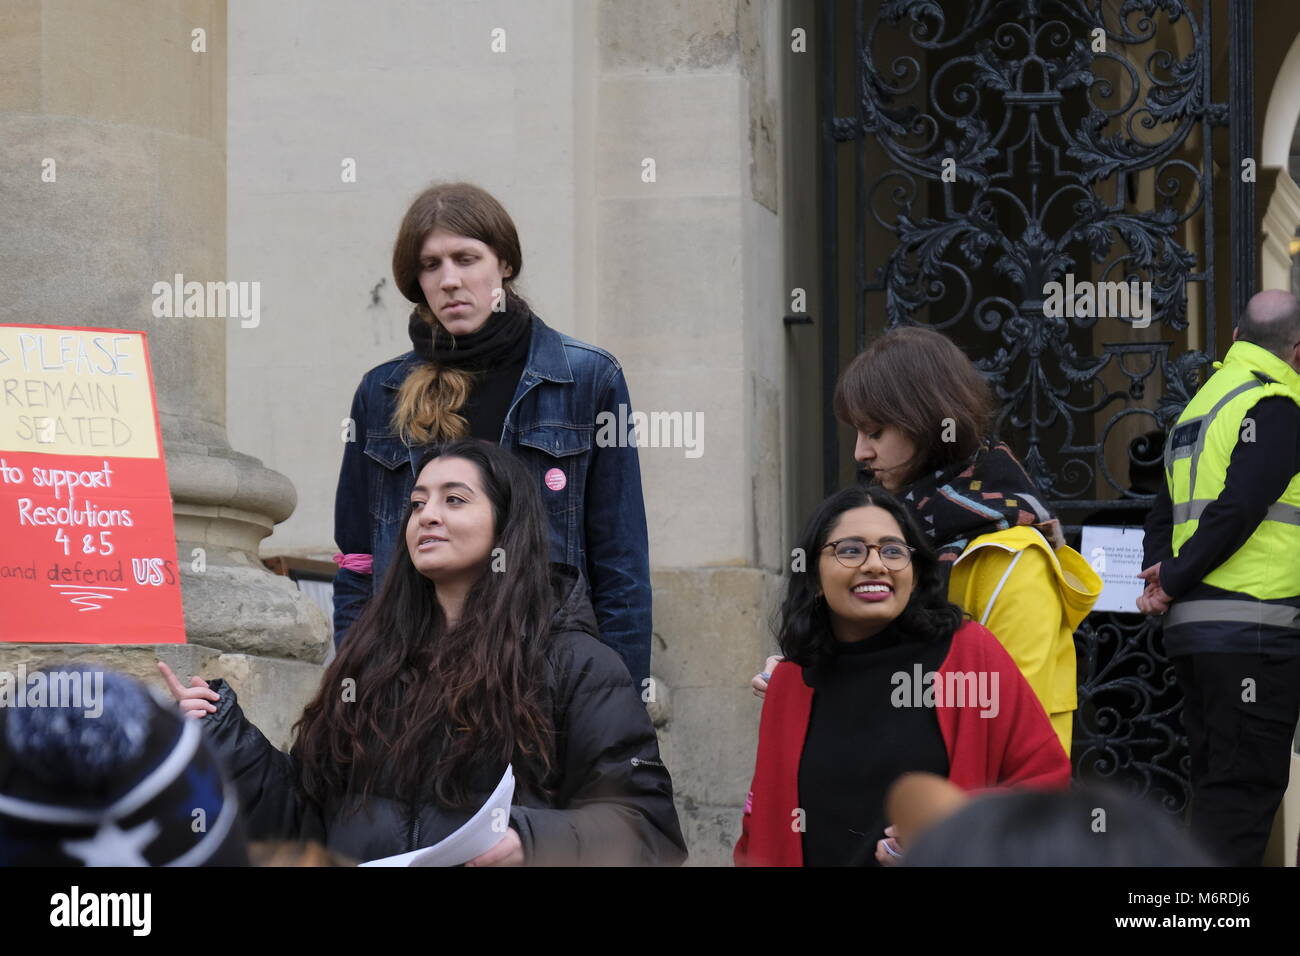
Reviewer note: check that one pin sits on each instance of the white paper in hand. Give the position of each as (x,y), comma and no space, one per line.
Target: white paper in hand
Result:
(475,836)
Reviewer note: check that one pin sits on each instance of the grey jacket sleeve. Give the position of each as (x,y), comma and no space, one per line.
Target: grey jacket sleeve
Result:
(615,800)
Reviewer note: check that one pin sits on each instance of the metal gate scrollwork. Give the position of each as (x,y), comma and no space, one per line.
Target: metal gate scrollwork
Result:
(999,146)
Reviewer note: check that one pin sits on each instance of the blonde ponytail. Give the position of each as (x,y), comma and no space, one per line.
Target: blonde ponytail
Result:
(429,399)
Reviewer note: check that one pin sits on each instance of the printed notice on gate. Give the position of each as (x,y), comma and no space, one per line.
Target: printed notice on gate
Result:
(87,544)
(1116,555)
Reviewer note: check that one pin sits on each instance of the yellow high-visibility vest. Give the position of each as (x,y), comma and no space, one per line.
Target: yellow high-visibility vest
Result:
(1197,453)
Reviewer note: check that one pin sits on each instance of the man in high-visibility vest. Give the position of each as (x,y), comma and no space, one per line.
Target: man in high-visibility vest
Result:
(1222,551)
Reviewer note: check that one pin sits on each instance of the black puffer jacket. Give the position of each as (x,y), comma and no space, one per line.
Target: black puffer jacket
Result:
(612,796)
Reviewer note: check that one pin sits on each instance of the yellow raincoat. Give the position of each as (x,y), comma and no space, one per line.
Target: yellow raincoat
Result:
(1033,598)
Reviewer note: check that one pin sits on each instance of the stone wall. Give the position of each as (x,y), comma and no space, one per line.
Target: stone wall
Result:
(690,298)
(134,117)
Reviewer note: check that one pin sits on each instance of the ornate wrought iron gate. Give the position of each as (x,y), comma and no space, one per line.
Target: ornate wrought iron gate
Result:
(995,146)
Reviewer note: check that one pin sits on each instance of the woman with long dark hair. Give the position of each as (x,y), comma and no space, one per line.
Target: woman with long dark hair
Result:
(475,654)
(922,412)
(880,677)
(482,364)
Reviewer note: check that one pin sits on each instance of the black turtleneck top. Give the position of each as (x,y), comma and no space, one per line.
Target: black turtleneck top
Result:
(494,389)
(858,743)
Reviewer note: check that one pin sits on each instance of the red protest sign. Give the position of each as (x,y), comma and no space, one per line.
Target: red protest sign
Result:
(87,543)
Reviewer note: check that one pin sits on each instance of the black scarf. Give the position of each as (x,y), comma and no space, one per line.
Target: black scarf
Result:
(503,339)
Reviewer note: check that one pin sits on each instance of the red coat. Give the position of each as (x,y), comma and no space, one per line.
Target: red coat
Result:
(1016,747)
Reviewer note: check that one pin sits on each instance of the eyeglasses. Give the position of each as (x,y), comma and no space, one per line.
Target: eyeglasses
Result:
(853,553)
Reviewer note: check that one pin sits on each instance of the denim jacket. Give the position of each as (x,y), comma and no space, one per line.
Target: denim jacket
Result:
(597,517)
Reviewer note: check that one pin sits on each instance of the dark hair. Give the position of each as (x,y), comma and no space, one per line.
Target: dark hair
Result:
(1036,828)
(915,379)
(805,626)
(434,704)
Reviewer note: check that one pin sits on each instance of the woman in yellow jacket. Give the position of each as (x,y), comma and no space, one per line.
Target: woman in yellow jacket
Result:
(922,410)
(1033,597)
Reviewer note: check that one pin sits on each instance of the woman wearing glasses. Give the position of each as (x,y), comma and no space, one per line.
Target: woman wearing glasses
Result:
(922,412)
(880,677)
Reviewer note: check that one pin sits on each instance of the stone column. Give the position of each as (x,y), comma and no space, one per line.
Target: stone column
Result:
(1280,221)
(689,293)
(134,117)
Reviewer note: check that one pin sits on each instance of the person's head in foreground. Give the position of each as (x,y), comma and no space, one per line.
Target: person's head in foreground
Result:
(1090,825)
(125,782)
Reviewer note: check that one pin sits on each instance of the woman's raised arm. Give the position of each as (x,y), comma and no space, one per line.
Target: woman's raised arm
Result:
(263,775)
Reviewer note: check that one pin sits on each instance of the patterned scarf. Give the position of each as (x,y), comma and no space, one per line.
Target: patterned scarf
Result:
(988,492)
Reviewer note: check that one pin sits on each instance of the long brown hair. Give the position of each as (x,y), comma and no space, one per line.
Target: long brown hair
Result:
(430,397)
(431,704)
(918,381)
